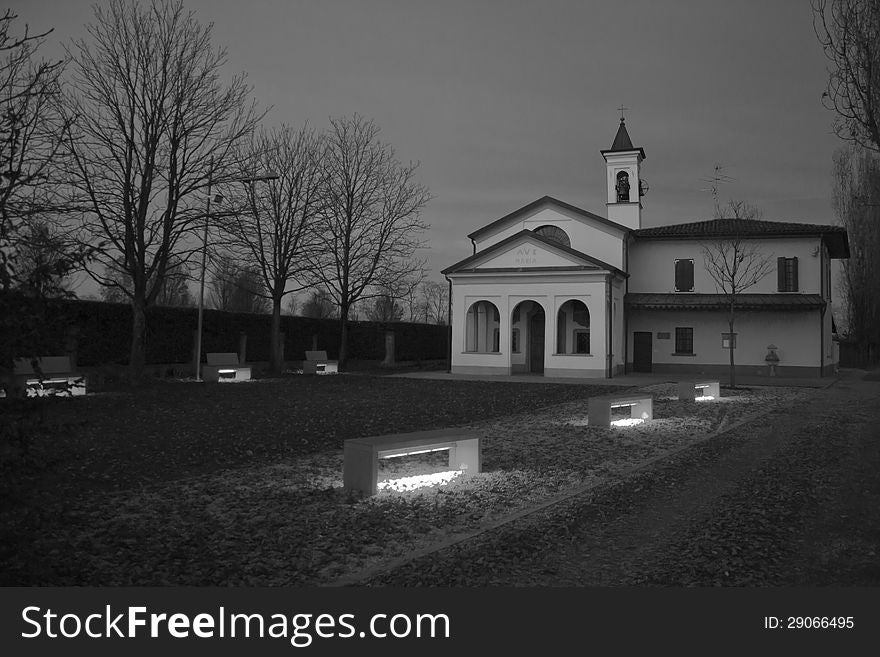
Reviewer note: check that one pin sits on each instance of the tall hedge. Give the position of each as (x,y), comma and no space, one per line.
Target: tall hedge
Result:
(100,333)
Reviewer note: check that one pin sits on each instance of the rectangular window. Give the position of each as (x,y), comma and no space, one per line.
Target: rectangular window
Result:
(728,340)
(787,274)
(496,340)
(684,275)
(582,341)
(514,341)
(684,340)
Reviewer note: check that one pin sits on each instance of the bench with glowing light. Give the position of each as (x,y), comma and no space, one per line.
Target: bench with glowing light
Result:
(360,467)
(599,408)
(54,377)
(687,390)
(316,363)
(225,367)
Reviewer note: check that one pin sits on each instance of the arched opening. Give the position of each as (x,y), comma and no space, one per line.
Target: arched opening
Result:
(483,328)
(622,187)
(573,328)
(554,234)
(527,338)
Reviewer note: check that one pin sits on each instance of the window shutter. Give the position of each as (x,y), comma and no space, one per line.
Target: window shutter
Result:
(794,275)
(780,274)
(684,275)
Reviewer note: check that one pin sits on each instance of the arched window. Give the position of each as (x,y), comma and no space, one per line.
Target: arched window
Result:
(622,187)
(573,328)
(483,328)
(554,234)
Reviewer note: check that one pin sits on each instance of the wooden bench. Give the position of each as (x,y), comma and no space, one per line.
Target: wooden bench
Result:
(599,408)
(687,390)
(360,467)
(224,367)
(55,377)
(316,363)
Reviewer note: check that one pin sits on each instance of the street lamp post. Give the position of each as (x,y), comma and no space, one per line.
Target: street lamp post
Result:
(218,198)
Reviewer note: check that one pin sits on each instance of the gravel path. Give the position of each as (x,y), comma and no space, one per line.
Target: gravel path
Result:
(790,500)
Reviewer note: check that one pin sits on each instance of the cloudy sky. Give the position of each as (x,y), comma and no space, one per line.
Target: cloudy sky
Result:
(502,102)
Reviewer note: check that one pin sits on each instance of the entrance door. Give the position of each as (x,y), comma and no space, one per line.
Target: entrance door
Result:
(642,351)
(536,342)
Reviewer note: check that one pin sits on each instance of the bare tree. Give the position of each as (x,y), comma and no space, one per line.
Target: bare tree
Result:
(275,230)
(369,224)
(154,126)
(319,304)
(849,31)
(384,309)
(857,205)
(235,288)
(434,302)
(172,291)
(735,264)
(31,132)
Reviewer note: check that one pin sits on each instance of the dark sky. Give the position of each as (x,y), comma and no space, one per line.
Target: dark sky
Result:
(504,102)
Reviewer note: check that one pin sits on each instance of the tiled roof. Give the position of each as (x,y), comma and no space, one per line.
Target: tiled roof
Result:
(834,236)
(720,302)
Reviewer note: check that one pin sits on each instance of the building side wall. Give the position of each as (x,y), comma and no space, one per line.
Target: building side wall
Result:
(652,265)
(797,336)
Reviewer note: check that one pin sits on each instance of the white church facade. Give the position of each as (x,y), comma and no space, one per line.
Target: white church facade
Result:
(554,290)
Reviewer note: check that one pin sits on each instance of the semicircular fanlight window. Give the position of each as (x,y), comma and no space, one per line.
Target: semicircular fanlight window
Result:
(554,234)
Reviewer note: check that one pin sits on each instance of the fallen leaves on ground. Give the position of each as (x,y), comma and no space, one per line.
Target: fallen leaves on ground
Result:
(241,484)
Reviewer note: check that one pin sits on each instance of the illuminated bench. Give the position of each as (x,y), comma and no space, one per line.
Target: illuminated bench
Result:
(56,377)
(599,408)
(360,466)
(316,363)
(687,390)
(224,367)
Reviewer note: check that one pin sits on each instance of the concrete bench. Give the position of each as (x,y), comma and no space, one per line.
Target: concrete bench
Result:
(55,377)
(224,367)
(316,363)
(360,467)
(687,390)
(599,408)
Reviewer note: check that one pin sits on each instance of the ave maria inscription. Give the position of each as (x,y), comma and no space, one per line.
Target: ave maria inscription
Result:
(526,255)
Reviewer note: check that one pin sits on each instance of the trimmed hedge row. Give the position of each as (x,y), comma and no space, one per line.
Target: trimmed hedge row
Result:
(100,333)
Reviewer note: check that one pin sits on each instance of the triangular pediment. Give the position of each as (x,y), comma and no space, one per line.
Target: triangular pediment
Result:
(546,210)
(526,250)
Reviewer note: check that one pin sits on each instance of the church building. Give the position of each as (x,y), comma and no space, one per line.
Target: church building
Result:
(552,289)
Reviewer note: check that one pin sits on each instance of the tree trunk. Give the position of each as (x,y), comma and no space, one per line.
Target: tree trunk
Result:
(137,356)
(275,364)
(731,345)
(343,336)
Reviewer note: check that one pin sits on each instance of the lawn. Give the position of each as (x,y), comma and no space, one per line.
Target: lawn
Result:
(191,484)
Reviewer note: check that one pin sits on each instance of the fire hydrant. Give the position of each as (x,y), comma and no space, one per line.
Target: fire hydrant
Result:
(772,359)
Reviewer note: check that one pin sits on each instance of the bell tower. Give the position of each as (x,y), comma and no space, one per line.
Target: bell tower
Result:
(623,164)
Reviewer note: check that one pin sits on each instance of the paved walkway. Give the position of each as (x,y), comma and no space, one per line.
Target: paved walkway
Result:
(634,379)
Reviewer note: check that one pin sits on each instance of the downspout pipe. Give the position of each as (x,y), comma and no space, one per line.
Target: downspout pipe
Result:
(609,324)
(449,326)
